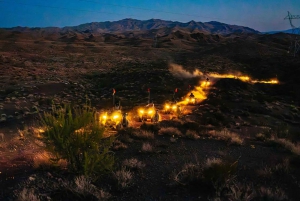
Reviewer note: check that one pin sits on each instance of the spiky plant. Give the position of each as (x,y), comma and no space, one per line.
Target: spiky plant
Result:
(76,135)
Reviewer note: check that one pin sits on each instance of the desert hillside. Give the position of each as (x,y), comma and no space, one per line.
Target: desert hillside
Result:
(239,138)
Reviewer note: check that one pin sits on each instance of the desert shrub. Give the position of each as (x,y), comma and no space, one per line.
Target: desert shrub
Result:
(147,148)
(214,174)
(169,131)
(84,187)
(143,134)
(293,148)
(260,136)
(226,135)
(118,145)
(240,192)
(51,187)
(123,177)
(281,169)
(75,134)
(27,195)
(133,164)
(271,194)
(192,134)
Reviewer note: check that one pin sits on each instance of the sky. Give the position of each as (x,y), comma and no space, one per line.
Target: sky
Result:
(261,15)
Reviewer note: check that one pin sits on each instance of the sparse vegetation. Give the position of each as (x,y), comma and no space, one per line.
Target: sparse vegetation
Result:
(118,145)
(70,161)
(143,134)
(214,174)
(124,178)
(272,194)
(169,131)
(192,134)
(133,164)
(226,135)
(294,148)
(27,194)
(147,148)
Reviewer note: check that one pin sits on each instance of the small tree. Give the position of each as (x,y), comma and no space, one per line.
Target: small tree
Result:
(76,135)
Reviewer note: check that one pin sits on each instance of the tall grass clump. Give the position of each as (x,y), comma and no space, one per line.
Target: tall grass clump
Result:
(212,175)
(76,135)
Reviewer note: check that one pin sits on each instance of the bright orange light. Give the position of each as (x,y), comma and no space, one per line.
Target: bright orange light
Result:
(273,81)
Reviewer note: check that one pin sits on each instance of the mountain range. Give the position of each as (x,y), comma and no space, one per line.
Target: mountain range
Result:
(129,24)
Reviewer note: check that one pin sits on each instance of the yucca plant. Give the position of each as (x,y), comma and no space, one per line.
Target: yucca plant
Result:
(76,135)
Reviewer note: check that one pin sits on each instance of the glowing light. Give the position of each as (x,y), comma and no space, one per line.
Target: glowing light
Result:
(244,78)
(104,116)
(205,84)
(150,111)
(167,106)
(141,111)
(174,107)
(116,116)
(273,81)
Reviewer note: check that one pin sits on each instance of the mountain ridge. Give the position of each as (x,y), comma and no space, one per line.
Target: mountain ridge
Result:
(129,24)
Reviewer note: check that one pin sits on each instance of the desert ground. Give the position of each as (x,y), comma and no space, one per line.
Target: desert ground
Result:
(240,141)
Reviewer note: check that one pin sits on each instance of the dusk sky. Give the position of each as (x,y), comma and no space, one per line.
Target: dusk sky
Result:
(262,15)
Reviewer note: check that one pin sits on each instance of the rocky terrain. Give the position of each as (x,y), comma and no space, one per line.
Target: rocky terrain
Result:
(253,127)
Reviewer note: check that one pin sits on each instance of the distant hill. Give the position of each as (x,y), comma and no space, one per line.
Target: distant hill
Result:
(125,25)
(282,31)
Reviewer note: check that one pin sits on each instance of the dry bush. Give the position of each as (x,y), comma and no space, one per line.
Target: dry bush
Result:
(27,194)
(83,184)
(118,145)
(169,131)
(85,187)
(147,148)
(56,188)
(124,178)
(213,173)
(260,136)
(226,135)
(271,194)
(192,134)
(143,134)
(43,159)
(240,192)
(280,169)
(294,148)
(133,164)
(212,161)
(189,173)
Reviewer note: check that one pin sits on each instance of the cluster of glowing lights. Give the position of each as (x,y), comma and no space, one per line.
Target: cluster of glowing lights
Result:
(149,111)
(115,117)
(168,107)
(205,84)
(190,100)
